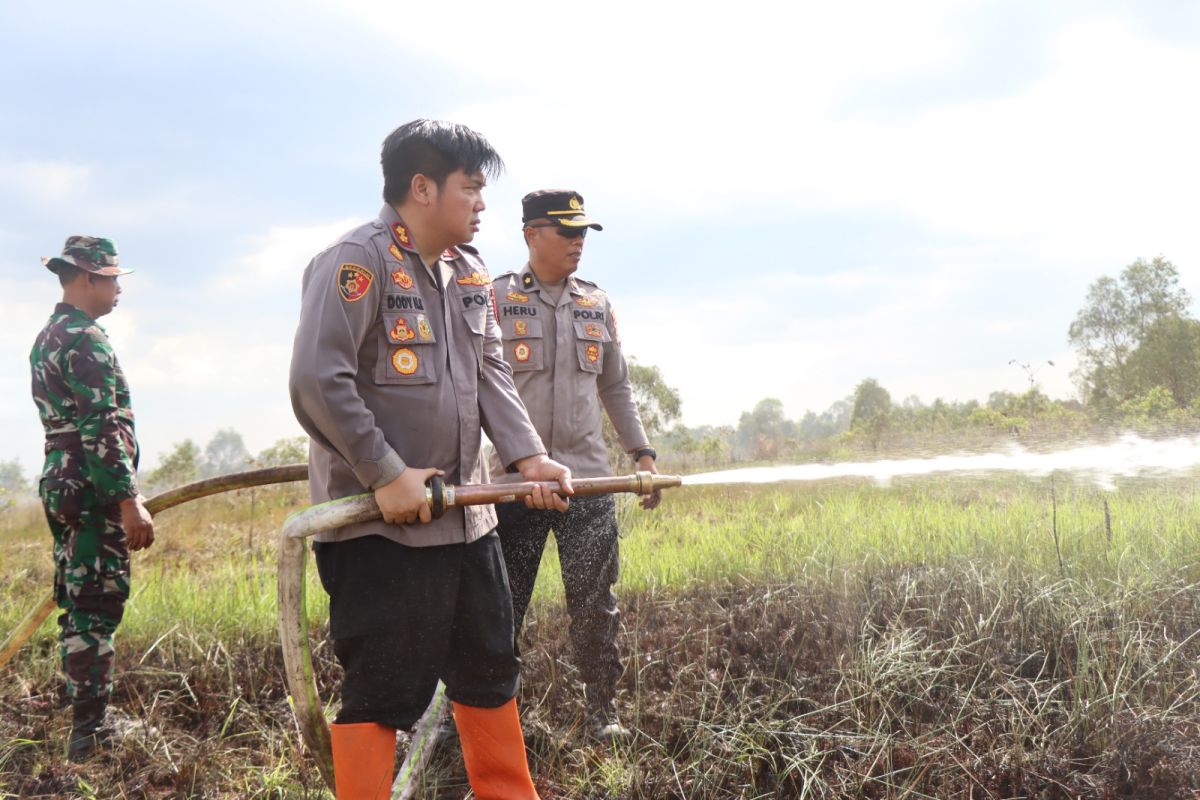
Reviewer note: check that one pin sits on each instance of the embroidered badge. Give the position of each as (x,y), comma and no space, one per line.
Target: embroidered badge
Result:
(575,204)
(517,297)
(405,361)
(520,328)
(402,235)
(474,279)
(593,330)
(586,302)
(396,252)
(423,328)
(522,352)
(450,254)
(400,332)
(593,353)
(527,280)
(353,281)
(402,278)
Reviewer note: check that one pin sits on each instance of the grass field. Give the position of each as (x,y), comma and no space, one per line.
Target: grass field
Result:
(932,639)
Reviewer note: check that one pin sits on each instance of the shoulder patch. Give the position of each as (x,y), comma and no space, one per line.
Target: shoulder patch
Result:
(353,281)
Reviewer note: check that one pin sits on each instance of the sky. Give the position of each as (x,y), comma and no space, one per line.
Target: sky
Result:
(795,196)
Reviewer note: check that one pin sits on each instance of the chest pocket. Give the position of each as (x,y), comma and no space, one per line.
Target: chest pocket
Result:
(590,338)
(407,353)
(524,343)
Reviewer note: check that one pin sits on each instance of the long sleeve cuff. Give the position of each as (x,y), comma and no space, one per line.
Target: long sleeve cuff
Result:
(375,474)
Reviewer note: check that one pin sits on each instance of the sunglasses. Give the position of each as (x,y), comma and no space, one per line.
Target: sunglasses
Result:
(566,233)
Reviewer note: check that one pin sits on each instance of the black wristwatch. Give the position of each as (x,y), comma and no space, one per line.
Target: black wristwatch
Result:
(644,451)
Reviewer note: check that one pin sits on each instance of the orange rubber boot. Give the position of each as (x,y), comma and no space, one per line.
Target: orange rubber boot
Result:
(364,757)
(493,748)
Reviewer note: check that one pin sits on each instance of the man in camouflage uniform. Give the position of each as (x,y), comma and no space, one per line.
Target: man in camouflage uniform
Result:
(89,486)
(560,338)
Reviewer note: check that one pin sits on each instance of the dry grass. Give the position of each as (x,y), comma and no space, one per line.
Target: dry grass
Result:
(803,642)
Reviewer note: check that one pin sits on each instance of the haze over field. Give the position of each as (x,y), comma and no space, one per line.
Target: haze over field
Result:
(793,200)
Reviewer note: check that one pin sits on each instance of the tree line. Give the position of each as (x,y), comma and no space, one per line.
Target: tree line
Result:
(1139,368)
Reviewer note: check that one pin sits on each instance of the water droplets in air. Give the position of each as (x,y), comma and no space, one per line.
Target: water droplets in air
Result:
(1128,456)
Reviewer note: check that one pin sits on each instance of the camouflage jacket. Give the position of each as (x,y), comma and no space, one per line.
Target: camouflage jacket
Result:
(83,400)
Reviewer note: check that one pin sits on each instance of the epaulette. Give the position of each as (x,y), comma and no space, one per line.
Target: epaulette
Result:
(509,274)
(589,283)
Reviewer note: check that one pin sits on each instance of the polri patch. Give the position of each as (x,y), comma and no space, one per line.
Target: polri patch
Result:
(353,281)
(405,361)
(522,352)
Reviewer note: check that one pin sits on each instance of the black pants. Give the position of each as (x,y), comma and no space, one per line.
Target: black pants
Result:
(586,534)
(403,617)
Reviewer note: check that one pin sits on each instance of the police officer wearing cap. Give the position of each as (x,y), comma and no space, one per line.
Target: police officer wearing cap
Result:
(561,340)
(89,488)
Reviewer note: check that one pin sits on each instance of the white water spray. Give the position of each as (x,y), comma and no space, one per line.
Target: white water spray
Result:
(1102,464)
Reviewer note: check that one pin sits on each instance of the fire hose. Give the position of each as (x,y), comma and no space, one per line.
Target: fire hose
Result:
(293,628)
(155,505)
(293,625)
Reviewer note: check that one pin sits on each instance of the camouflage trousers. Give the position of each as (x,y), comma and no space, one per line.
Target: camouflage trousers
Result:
(91,585)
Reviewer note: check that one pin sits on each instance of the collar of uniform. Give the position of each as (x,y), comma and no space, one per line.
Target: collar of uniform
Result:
(72,311)
(527,280)
(400,232)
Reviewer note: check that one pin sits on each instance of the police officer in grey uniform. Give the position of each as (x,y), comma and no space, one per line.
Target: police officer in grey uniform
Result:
(396,369)
(561,340)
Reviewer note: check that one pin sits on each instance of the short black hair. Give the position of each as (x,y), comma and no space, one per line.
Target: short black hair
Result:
(66,272)
(433,148)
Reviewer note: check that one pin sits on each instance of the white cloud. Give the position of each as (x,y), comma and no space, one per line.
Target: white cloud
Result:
(282,253)
(44,183)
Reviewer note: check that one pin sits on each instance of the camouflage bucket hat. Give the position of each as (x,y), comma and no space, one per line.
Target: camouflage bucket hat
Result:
(89,253)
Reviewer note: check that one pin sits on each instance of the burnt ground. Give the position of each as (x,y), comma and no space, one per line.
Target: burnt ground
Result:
(900,686)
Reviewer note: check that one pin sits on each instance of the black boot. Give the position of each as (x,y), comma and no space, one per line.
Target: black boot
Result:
(602,723)
(87,731)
